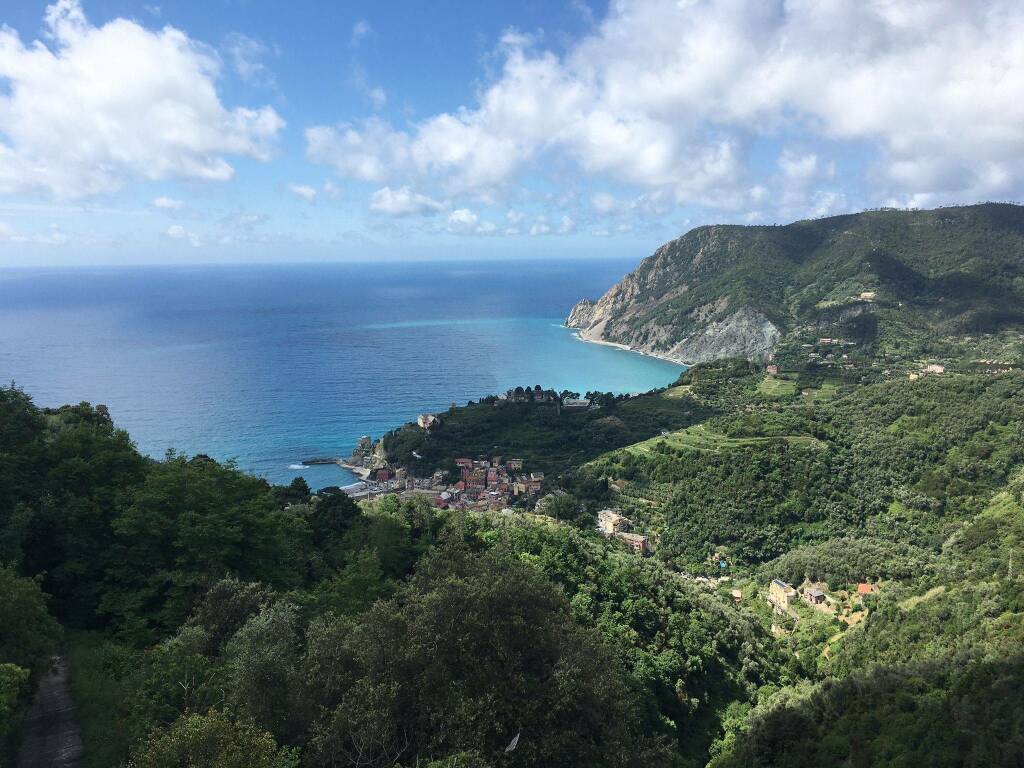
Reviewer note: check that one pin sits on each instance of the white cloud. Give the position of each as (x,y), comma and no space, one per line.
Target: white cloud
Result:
(360,30)
(566,226)
(167,203)
(74,123)
(402,202)
(246,55)
(604,203)
(540,227)
(799,167)
(331,190)
(178,232)
(304,191)
(462,219)
(668,96)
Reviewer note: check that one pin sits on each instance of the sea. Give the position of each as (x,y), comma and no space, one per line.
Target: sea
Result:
(270,365)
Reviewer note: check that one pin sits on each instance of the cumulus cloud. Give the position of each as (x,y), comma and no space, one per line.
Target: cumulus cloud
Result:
(168,203)
(304,191)
(402,202)
(73,123)
(668,96)
(463,221)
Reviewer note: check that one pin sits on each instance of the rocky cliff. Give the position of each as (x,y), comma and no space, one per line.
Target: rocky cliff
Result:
(725,291)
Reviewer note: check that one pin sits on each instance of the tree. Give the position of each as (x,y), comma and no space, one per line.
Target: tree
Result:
(28,633)
(212,740)
(481,647)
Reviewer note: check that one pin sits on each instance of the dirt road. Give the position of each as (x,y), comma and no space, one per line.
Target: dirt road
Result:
(51,736)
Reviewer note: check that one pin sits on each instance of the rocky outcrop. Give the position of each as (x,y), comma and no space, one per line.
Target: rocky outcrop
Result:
(745,333)
(580,315)
(653,309)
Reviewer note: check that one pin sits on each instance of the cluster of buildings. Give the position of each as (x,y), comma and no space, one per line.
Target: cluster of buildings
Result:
(782,596)
(614,525)
(540,395)
(485,483)
(490,483)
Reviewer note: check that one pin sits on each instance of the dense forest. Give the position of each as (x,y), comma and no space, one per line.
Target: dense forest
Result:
(210,619)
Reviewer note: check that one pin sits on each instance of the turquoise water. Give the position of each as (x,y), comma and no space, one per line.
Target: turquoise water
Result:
(272,364)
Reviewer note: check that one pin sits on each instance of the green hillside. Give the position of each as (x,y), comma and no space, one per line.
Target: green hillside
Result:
(888,280)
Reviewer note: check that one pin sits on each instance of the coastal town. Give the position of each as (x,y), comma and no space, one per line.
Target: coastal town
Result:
(481,482)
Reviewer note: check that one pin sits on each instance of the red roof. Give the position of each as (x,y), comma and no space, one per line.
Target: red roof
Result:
(865,589)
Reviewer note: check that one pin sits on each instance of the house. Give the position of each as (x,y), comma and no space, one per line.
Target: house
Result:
(780,595)
(637,542)
(737,596)
(773,370)
(427,421)
(933,368)
(464,463)
(536,477)
(813,596)
(610,522)
(866,589)
(383,475)
(868,295)
(515,464)
(574,404)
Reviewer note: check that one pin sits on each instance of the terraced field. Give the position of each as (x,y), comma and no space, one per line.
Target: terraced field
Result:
(699,438)
(772,386)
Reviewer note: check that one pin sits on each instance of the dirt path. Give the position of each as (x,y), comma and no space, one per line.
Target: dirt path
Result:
(51,737)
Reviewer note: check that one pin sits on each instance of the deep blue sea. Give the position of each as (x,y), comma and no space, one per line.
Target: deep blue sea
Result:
(271,364)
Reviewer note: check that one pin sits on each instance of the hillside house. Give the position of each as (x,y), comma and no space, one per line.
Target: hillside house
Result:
(638,543)
(610,522)
(866,589)
(772,369)
(781,596)
(814,596)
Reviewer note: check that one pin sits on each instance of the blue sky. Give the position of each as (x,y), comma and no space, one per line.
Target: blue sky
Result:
(234,131)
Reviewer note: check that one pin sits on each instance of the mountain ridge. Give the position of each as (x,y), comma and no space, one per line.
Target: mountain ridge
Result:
(883,277)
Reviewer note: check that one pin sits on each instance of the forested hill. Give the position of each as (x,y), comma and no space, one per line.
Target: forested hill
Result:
(883,279)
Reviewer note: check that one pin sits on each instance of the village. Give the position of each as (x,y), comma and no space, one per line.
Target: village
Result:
(484,482)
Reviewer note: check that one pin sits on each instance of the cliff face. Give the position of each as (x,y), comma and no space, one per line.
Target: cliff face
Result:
(723,291)
(653,309)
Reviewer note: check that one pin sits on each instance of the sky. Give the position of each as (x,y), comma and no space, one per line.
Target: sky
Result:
(235,131)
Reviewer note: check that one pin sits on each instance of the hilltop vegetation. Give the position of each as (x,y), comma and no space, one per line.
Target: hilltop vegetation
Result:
(905,282)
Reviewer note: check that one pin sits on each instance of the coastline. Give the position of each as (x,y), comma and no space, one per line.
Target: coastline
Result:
(581,335)
(361,472)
